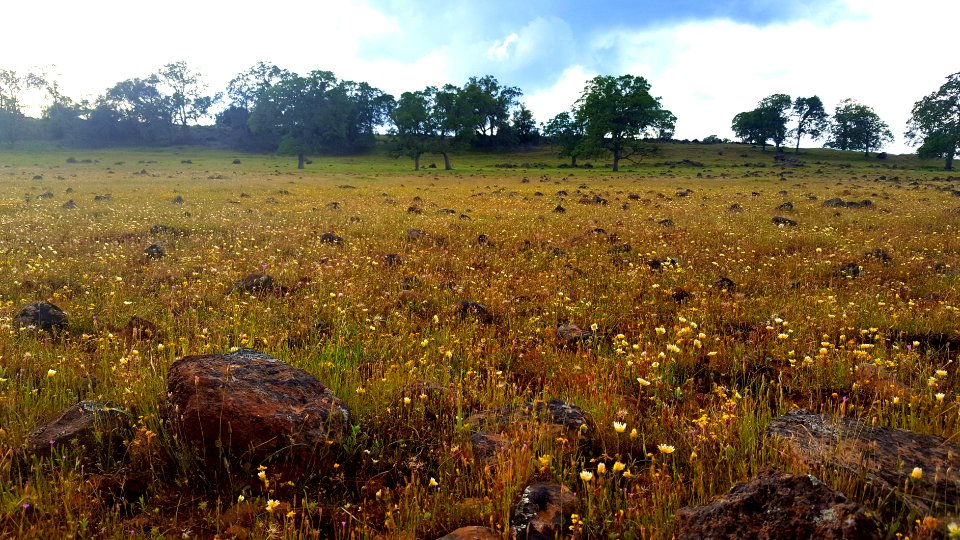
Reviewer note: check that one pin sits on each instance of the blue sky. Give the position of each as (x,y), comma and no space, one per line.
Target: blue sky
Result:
(707,59)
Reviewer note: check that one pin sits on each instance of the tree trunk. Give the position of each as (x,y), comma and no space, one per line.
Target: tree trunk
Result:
(573,161)
(616,161)
(446,162)
(300,160)
(950,159)
(797,151)
(416,161)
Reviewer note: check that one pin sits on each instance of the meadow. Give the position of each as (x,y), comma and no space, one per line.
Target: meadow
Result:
(696,320)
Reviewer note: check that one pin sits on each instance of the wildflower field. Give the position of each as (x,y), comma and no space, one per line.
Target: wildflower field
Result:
(663,308)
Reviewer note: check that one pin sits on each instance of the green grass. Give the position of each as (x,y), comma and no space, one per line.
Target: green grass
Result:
(704,376)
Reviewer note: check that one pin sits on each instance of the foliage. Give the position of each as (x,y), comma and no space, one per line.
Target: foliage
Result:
(857,127)
(812,119)
(767,122)
(617,113)
(935,122)
(565,131)
(185,93)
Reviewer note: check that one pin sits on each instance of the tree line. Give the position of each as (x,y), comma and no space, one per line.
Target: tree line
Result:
(268,108)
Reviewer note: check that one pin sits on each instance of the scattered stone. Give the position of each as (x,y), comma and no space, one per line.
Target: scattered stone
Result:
(178,199)
(334,205)
(473,532)
(330,238)
(416,234)
(883,458)
(543,511)
(851,270)
(102,198)
(42,315)
(166,229)
(781,221)
(680,295)
(414,210)
(559,209)
(486,445)
(482,240)
(155,251)
(724,284)
(555,412)
(392,259)
(785,206)
(46,195)
(138,329)
(254,283)
(466,308)
(255,407)
(661,263)
(837,202)
(96,429)
(572,335)
(735,208)
(880,254)
(69,205)
(776,504)
(665,223)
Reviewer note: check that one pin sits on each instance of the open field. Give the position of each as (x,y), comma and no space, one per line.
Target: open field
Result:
(854,311)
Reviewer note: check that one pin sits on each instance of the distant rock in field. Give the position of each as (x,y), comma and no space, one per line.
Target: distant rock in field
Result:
(781,221)
(483,240)
(851,270)
(467,308)
(236,162)
(665,223)
(572,335)
(178,199)
(837,202)
(414,210)
(660,263)
(330,238)
(486,445)
(102,198)
(555,412)
(785,206)
(559,209)
(735,208)
(882,458)
(140,329)
(724,284)
(166,229)
(333,205)
(680,295)
(45,195)
(255,408)
(97,430)
(879,254)
(774,504)
(543,511)
(473,532)
(69,205)
(392,259)
(42,315)
(416,234)
(254,283)
(410,282)
(155,251)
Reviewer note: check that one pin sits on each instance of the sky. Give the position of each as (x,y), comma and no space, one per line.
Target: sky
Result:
(706,59)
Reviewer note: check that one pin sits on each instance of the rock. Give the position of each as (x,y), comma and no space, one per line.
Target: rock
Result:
(559,209)
(254,407)
(543,511)
(178,199)
(680,295)
(882,458)
(392,259)
(330,238)
(777,505)
(42,315)
(236,162)
(415,234)
(471,533)
(665,223)
(572,335)
(69,205)
(155,251)
(735,208)
(103,198)
(879,254)
(486,445)
(165,229)
(660,263)
(96,427)
(254,283)
(724,284)
(555,412)
(466,308)
(785,206)
(851,270)
(334,205)
(781,221)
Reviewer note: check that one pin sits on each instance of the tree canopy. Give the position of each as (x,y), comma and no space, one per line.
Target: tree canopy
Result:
(857,127)
(935,122)
(618,113)
(767,122)
(812,119)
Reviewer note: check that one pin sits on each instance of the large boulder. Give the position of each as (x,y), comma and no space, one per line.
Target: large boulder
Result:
(94,429)
(883,458)
(542,511)
(777,505)
(254,407)
(43,315)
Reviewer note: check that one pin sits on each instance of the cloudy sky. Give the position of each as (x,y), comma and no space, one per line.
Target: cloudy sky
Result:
(707,59)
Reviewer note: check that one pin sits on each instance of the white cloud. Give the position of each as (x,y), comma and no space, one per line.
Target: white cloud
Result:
(560,97)
(500,50)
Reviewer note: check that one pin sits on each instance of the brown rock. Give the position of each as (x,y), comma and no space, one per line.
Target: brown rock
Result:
(471,533)
(543,510)
(254,406)
(883,458)
(487,445)
(554,412)
(466,308)
(42,315)
(95,427)
(572,335)
(777,505)
(255,283)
